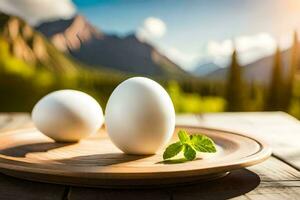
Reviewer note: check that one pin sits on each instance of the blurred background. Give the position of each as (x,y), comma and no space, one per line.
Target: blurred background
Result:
(211,56)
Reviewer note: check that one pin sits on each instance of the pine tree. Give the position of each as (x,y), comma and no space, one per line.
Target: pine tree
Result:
(274,97)
(234,86)
(293,64)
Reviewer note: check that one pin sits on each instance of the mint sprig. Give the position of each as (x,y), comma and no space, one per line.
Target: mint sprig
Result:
(189,144)
(172,150)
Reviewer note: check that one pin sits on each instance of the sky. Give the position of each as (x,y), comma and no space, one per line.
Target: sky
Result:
(189,32)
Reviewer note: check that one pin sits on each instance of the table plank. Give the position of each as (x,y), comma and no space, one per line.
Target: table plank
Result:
(275,170)
(10,121)
(278,181)
(13,188)
(77,193)
(274,193)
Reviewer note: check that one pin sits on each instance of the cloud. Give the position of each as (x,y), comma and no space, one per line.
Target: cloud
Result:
(152,28)
(250,48)
(36,11)
(183,59)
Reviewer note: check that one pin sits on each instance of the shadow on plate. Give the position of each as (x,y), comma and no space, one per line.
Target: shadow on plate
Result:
(105,159)
(175,161)
(85,160)
(22,150)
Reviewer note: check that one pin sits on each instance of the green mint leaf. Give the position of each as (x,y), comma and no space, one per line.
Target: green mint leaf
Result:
(189,152)
(203,143)
(183,136)
(189,144)
(172,150)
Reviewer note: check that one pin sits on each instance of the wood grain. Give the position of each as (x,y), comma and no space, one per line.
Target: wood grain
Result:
(275,170)
(278,179)
(12,188)
(95,161)
(11,121)
(240,184)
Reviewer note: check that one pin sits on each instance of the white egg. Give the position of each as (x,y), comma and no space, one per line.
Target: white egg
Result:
(67,115)
(140,116)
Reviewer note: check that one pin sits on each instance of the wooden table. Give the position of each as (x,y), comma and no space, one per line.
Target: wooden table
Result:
(276,178)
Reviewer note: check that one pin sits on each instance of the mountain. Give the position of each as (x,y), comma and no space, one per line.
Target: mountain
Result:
(205,68)
(93,47)
(20,43)
(258,71)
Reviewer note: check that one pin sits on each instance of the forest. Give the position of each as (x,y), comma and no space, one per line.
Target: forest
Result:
(31,67)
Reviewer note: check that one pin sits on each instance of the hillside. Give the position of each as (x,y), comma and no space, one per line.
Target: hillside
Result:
(93,47)
(31,67)
(21,42)
(205,68)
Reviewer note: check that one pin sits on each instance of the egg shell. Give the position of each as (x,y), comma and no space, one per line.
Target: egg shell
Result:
(140,116)
(67,115)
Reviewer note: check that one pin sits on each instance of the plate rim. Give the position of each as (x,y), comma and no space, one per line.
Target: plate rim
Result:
(259,156)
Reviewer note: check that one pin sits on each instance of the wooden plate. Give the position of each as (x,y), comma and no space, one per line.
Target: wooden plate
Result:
(96,162)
